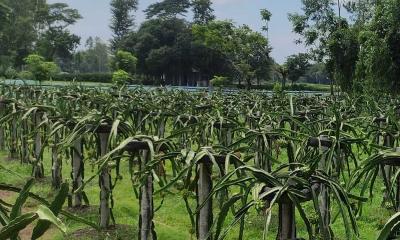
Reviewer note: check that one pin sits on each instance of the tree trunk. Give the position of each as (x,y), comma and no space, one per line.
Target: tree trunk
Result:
(77,171)
(105,185)
(205,215)
(287,222)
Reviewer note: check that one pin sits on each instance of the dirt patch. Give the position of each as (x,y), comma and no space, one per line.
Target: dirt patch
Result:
(5,195)
(26,233)
(120,232)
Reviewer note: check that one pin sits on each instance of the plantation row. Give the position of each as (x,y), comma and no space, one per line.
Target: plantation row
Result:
(234,152)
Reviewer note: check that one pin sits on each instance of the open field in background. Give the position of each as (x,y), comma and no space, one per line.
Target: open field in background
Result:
(171,220)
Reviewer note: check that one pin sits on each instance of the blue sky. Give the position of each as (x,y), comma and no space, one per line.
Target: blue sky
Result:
(96,17)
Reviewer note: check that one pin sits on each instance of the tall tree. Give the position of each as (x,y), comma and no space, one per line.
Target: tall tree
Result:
(35,26)
(57,42)
(330,37)
(203,12)
(246,50)
(266,17)
(4,13)
(122,20)
(167,9)
(95,58)
(378,64)
(316,24)
(297,66)
(19,34)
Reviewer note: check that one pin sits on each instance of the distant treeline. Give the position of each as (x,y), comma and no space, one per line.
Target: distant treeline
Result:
(353,44)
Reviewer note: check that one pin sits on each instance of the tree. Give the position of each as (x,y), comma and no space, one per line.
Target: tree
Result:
(247,51)
(378,65)
(56,42)
(343,48)
(122,20)
(283,71)
(124,61)
(266,17)
(95,58)
(203,12)
(317,73)
(18,36)
(331,38)
(35,26)
(163,49)
(4,14)
(41,69)
(167,9)
(315,25)
(121,78)
(297,66)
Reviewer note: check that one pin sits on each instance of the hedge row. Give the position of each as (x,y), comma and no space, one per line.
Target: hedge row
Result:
(84,77)
(294,87)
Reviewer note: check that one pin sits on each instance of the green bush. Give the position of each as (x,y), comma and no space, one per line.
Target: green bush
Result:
(294,87)
(124,61)
(277,88)
(25,75)
(121,78)
(84,77)
(10,73)
(41,69)
(219,81)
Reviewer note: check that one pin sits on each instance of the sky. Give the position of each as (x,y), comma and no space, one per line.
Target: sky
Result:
(96,19)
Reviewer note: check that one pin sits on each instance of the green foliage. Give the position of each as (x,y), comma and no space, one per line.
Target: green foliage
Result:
(167,9)
(41,69)
(202,11)
(16,221)
(378,67)
(266,17)
(121,78)
(219,81)
(10,73)
(343,49)
(84,77)
(247,51)
(277,88)
(95,58)
(125,61)
(38,27)
(25,75)
(297,66)
(122,21)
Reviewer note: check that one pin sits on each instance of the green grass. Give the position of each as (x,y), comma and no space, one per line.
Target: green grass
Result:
(172,222)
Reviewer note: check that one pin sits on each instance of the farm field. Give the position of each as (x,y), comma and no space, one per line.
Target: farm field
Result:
(172,221)
(199,120)
(107,148)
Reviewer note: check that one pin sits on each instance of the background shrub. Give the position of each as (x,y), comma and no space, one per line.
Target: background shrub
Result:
(41,69)
(84,77)
(125,61)
(121,78)
(25,75)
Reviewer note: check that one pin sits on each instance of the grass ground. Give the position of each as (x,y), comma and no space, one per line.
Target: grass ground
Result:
(172,221)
